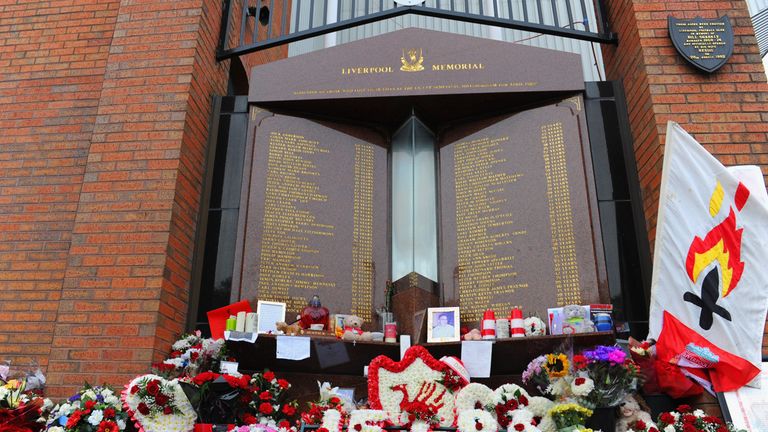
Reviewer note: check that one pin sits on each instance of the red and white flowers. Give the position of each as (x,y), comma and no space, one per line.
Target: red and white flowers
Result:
(158,405)
(582,386)
(476,420)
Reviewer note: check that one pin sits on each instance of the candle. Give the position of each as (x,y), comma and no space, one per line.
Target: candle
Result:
(488,329)
(250,322)
(231,323)
(240,323)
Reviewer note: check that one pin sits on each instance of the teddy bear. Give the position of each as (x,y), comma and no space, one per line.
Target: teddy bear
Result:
(631,412)
(473,334)
(353,330)
(576,320)
(290,330)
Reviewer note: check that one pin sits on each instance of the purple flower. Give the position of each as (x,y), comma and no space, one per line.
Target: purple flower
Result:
(74,397)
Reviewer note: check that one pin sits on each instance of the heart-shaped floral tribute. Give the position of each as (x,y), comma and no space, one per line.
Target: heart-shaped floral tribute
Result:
(158,405)
(413,386)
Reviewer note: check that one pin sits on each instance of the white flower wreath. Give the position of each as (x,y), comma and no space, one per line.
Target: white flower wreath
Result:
(471,395)
(523,417)
(182,422)
(539,405)
(476,420)
(507,392)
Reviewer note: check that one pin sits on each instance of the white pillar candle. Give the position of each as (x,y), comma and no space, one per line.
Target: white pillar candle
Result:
(240,322)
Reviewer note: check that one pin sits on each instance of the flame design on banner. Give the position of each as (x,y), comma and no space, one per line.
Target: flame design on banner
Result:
(722,243)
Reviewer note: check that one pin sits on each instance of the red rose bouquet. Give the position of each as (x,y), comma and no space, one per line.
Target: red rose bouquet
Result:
(267,401)
(685,419)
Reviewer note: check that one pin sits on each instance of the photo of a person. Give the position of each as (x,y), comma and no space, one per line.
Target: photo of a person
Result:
(443,324)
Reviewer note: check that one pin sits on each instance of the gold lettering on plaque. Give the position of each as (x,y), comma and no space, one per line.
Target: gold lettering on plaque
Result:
(363,267)
(560,215)
(483,226)
(290,230)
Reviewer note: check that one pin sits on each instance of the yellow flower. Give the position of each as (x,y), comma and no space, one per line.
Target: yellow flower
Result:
(12,384)
(556,365)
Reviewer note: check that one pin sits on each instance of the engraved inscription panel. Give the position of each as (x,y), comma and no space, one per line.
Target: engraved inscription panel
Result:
(316,218)
(516,223)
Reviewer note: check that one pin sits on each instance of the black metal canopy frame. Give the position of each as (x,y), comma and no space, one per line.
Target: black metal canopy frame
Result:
(575,19)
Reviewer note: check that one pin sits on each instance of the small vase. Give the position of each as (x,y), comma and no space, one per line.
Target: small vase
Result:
(603,419)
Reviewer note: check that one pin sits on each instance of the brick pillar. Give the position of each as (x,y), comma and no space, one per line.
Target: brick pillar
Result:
(125,290)
(727,111)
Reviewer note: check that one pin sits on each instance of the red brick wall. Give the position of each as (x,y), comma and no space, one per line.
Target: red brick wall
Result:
(52,65)
(726,111)
(106,108)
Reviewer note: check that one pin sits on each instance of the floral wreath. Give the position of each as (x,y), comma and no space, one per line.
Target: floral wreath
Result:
(431,388)
(507,399)
(476,420)
(474,396)
(158,405)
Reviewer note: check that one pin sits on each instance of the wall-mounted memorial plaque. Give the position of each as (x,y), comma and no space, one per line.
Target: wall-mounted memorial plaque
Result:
(706,44)
(516,214)
(316,221)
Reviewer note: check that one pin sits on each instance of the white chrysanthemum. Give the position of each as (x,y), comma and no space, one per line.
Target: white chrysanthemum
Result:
(539,405)
(469,420)
(508,392)
(332,420)
(676,415)
(47,404)
(582,386)
(96,417)
(105,392)
(111,400)
(180,345)
(370,420)
(699,413)
(89,394)
(56,429)
(177,362)
(548,425)
(558,387)
(121,424)
(669,428)
(468,397)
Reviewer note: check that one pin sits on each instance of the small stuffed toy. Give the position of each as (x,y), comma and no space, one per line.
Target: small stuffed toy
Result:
(290,330)
(534,326)
(473,334)
(353,329)
(630,412)
(576,320)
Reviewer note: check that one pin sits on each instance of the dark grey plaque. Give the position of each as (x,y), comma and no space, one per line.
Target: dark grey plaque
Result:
(516,214)
(706,44)
(317,217)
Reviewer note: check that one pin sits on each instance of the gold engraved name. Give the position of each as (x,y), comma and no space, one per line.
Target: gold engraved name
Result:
(458,66)
(366,70)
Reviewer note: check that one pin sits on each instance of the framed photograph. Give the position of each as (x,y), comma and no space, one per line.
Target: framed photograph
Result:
(443,324)
(337,324)
(747,407)
(268,314)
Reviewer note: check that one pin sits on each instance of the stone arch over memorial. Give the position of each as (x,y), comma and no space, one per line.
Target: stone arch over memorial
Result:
(515,206)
